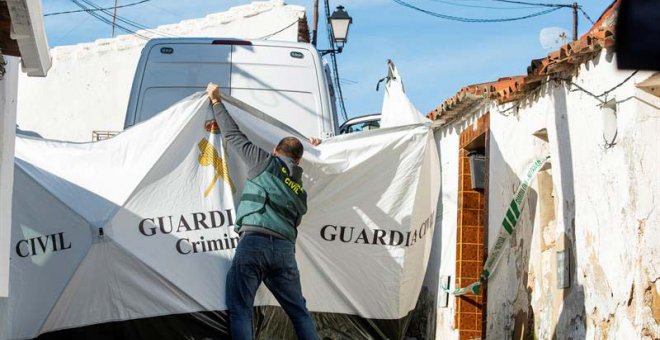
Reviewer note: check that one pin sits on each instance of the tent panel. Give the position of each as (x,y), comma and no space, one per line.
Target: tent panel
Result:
(49,240)
(119,286)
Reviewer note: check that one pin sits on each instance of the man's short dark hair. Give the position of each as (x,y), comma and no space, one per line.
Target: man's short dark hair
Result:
(290,147)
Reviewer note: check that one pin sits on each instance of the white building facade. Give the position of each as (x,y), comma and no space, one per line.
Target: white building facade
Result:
(584,260)
(23,46)
(98,75)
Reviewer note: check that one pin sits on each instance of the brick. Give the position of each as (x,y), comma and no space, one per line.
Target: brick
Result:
(469,235)
(469,252)
(468,322)
(465,165)
(470,269)
(470,217)
(467,183)
(467,306)
(481,216)
(469,335)
(471,200)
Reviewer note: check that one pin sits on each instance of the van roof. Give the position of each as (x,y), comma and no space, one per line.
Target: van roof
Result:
(227,41)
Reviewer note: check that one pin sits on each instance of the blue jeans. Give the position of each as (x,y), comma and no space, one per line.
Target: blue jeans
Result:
(262,258)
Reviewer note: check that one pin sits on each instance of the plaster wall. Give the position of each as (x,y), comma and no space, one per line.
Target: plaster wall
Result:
(89,84)
(513,147)
(596,202)
(593,201)
(8,86)
(444,248)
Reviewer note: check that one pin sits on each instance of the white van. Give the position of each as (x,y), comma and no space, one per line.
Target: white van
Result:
(286,80)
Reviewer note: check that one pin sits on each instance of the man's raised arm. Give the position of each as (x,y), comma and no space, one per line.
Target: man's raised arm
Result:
(251,154)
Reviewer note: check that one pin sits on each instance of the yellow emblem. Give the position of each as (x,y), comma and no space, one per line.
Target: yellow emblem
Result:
(209,156)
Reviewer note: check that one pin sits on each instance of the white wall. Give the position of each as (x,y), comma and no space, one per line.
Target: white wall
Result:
(444,255)
(597,202)
(8,86)
(448,145)
(513,147)
(603,210)
(88,86)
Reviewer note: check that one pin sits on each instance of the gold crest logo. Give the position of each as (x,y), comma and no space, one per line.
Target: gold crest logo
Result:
(209,156)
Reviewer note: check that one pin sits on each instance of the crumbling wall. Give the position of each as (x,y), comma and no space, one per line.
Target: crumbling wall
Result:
(596,201)
(513,147)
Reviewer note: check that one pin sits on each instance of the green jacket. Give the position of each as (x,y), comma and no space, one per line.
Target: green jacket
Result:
(272,200)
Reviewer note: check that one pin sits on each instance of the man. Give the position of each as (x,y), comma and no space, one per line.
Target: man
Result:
(271,207)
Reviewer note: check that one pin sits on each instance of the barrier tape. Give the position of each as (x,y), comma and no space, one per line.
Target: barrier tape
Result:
(508,226)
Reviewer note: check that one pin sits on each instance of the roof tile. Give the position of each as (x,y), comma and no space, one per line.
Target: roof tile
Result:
(508,89)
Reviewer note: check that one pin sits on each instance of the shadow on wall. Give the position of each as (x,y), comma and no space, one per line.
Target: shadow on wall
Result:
(572,320)
(557,313)
(512,314)
(27,133)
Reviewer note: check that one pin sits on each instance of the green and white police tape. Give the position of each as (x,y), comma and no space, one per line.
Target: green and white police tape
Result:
(507,228)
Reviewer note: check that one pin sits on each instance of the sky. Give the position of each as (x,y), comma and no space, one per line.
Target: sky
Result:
(435,57)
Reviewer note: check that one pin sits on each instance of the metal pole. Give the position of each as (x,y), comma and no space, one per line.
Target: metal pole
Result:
(114,16)
(575,21)
(316,22)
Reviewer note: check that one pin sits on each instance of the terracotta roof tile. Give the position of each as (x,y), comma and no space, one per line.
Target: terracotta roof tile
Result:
(508,89)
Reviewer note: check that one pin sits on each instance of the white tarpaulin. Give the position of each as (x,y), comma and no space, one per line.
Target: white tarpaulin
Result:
(141,225)
(397,109)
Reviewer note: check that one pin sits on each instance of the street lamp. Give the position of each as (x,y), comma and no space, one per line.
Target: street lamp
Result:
(339,21)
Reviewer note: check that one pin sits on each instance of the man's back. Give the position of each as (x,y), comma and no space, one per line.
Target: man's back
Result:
(271,208)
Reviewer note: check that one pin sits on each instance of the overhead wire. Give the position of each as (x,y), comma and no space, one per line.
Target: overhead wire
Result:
(586,15)
(480,6)
(279,31)
(107,8)
(605,93)
(533,3)
(463,19)
(99,12)
(105,20)
(127,21)
(559,80)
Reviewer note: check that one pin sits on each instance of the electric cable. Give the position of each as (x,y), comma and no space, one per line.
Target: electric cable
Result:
(462,19)
(479,6)
(586,15)
(127,21)
(108,8)
(105,20)
(568,81)
(274,33)
(533,3)
(605,93)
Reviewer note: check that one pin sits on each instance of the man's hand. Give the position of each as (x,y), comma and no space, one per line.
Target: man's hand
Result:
(314,141)
(213,91)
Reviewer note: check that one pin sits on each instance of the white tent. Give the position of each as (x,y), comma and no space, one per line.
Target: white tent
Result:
(139,228)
